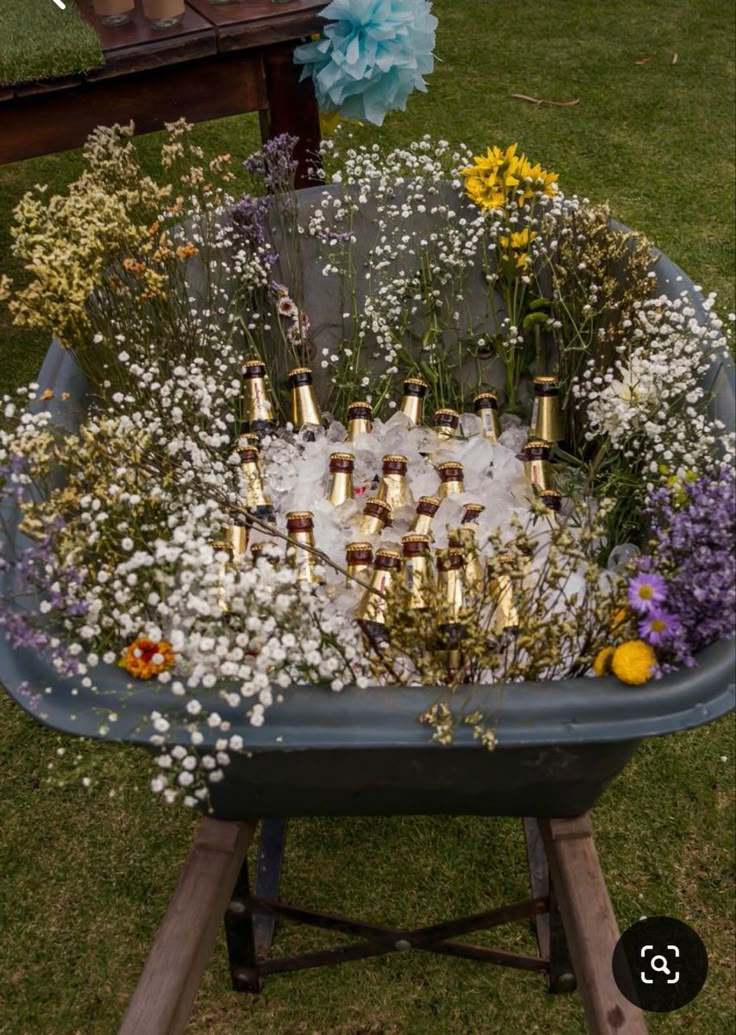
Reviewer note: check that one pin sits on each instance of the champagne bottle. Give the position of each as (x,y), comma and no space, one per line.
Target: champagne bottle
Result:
(359,562)
(462,537)
(300,526)
(360,420)
(485,405)
(446,423)
(373,610)
(412,401)
(451,478)
(305,411)
(546,415)
(265,548)
(375,517)
(257,502)
(501,587)
(258,412)
(394,488)
(418,573)
(451,594)
(472,512)
(341,480)
(537,467)
(427,507)
(552,500)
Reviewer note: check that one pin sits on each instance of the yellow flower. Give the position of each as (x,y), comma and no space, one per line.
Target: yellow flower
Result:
(502,177)
(146,658)
(634,662)
(514,247)
(602,661)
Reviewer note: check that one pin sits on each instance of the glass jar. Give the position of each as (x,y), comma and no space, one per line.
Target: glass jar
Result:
(163,14)
(113,12)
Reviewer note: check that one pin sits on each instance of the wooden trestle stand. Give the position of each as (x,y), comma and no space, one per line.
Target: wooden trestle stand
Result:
(575,926)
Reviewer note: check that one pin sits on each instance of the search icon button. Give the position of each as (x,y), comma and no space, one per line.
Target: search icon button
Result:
(657,967)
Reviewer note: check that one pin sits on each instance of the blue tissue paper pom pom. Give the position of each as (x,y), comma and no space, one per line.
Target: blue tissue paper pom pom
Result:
(373,54)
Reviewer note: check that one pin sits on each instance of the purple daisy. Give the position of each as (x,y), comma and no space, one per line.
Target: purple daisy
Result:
(659,627)
(646,590)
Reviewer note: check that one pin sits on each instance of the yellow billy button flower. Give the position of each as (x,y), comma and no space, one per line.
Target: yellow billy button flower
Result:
(501,177)
(144,658)
(634,662)
(602,661)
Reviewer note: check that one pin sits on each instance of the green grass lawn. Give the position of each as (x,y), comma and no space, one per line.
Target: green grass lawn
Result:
(85,875)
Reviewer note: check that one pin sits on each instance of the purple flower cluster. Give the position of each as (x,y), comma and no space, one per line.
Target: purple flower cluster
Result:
(32,573)
(275,163)
(685,590)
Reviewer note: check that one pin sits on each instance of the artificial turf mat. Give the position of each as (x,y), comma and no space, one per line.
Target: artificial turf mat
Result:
(39,40)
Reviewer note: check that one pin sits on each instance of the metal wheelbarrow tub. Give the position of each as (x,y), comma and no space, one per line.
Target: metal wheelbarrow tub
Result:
(364,752)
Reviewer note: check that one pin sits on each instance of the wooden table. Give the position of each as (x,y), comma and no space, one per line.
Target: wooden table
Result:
(221,60)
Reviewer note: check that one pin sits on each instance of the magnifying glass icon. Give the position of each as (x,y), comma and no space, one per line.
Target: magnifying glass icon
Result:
(659,967)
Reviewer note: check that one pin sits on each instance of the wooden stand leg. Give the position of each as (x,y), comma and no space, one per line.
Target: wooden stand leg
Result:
(549,930)
(163,999)
(268,879)
(239,932)
(292,109)
(590,925)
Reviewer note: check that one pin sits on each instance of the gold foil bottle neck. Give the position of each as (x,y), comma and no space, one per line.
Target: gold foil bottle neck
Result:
(418,572)
(412,401)
(451,479)
(376,515)
(374,605)
(341,488)
(485,405)
(360,420)
(547,423)
(537,467)
(267,549)
(305,409)
(472,511)
(462,537)
(427,507)
(394,487)
(359,562)
(300,526)
(258,411)
(451,584)
(341,478)
(552,499)
(256,497)
(236,539)
(446,423)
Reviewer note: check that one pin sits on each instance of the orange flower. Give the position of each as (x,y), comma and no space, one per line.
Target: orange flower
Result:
(185,250)
(146,658)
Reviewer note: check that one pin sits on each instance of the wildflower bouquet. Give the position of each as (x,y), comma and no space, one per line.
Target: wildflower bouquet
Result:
(434,425)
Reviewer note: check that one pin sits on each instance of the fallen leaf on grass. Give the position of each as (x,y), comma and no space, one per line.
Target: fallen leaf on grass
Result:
(674,58)
(540,100)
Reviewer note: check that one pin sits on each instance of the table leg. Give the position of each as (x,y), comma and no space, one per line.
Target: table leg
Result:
(292,108)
